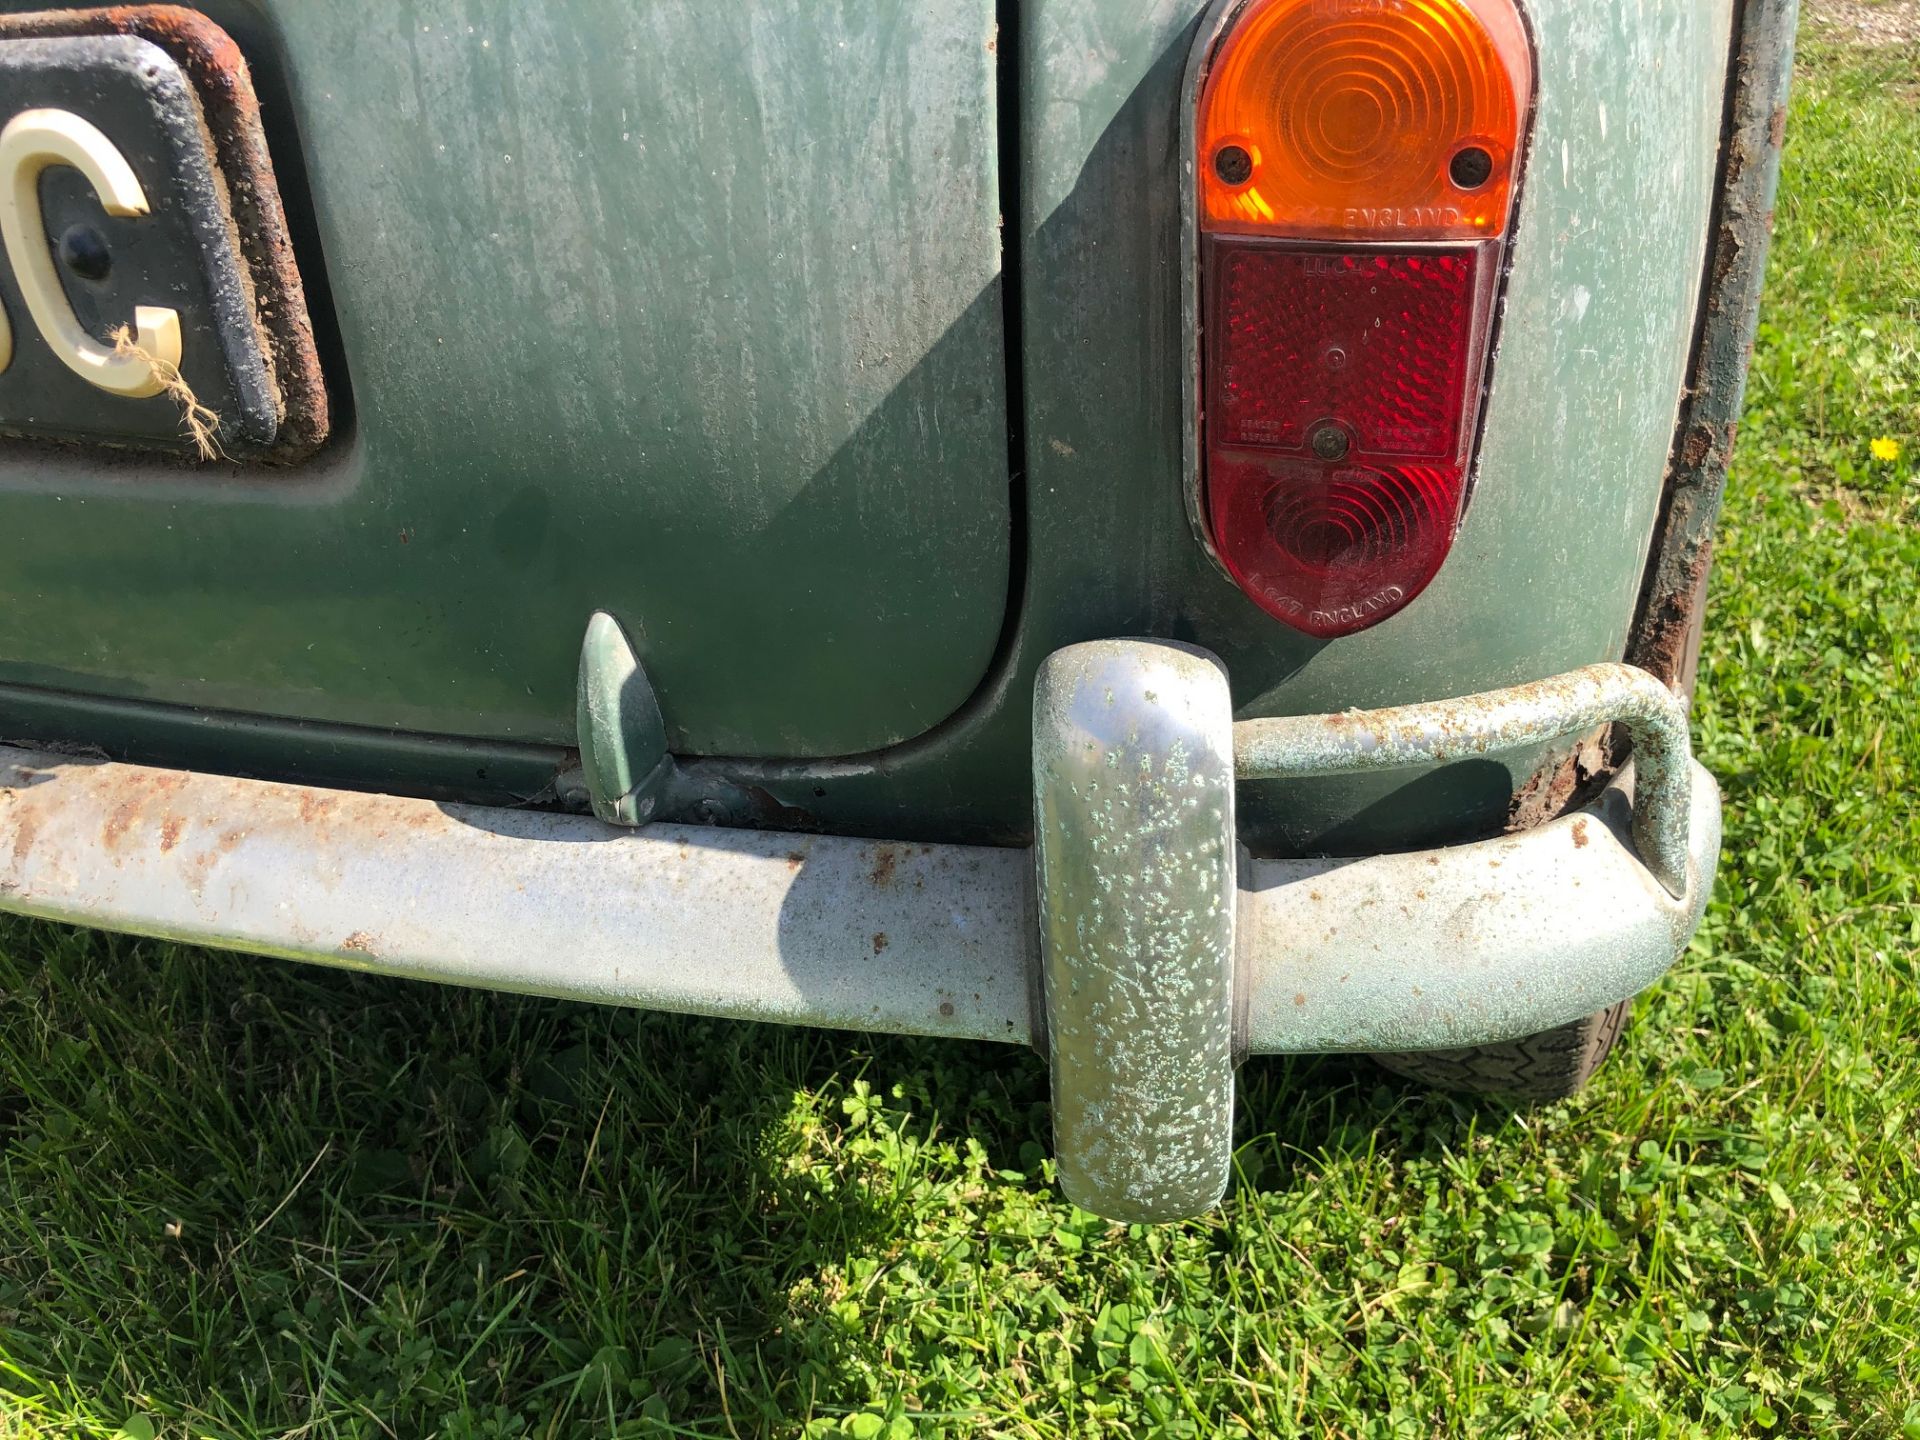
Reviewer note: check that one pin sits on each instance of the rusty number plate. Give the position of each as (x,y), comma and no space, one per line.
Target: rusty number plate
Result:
(148,292)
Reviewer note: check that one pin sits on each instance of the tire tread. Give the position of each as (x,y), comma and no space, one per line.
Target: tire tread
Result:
(1551,1065)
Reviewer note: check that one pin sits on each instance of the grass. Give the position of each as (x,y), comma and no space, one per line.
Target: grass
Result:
(243,1199)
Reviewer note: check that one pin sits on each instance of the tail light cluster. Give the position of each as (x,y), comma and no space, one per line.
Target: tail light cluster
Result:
(1356,169)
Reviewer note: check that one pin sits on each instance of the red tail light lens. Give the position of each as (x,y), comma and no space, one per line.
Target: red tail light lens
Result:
(1347,147)
(1338,400)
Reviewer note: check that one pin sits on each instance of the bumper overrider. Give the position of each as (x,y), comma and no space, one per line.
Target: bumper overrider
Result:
(1137,946)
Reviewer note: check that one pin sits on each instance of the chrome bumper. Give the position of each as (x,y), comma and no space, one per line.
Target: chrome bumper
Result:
(1161,952)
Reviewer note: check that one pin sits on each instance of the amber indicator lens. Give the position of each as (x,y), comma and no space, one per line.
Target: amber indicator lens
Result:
(1364,117)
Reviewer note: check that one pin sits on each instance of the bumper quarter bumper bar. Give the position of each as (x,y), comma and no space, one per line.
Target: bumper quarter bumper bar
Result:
(1137,945)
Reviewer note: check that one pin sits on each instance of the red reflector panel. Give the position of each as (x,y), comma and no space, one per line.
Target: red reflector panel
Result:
(1376,342)
(1340,397)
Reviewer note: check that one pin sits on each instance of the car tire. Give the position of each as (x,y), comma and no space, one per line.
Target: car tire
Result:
(1549,1066)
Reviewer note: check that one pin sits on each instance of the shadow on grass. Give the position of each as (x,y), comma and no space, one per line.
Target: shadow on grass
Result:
(257,1196)
(254,1195)
(1300,1112)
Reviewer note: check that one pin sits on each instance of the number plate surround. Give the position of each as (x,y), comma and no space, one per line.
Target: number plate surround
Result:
(170,93)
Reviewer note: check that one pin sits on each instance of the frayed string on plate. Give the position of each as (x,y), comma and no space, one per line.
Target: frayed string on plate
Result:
(196,419)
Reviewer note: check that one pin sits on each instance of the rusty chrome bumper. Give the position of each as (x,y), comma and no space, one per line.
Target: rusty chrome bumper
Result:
(1160,952)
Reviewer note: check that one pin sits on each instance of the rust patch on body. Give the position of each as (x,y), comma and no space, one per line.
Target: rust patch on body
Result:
(1696,447)
(198,869)
(1580,833)
(170,833)
(361,943)
(765,810)
(1669,640)
(1562,784)
(880,941)
(1666,631)
(885,861)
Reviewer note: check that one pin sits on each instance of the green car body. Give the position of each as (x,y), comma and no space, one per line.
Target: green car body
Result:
(839,353)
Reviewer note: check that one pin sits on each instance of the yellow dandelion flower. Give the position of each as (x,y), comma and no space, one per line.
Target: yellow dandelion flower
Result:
(1886,448)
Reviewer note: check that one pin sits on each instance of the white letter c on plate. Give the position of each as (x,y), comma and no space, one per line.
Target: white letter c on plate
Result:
(32,142)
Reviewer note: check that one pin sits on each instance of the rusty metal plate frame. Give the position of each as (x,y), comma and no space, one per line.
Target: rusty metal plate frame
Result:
(230,108)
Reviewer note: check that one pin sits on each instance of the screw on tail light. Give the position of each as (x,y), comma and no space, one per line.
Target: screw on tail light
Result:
(1354,172)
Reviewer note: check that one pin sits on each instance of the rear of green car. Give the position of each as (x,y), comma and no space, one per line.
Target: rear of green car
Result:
(740,536)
